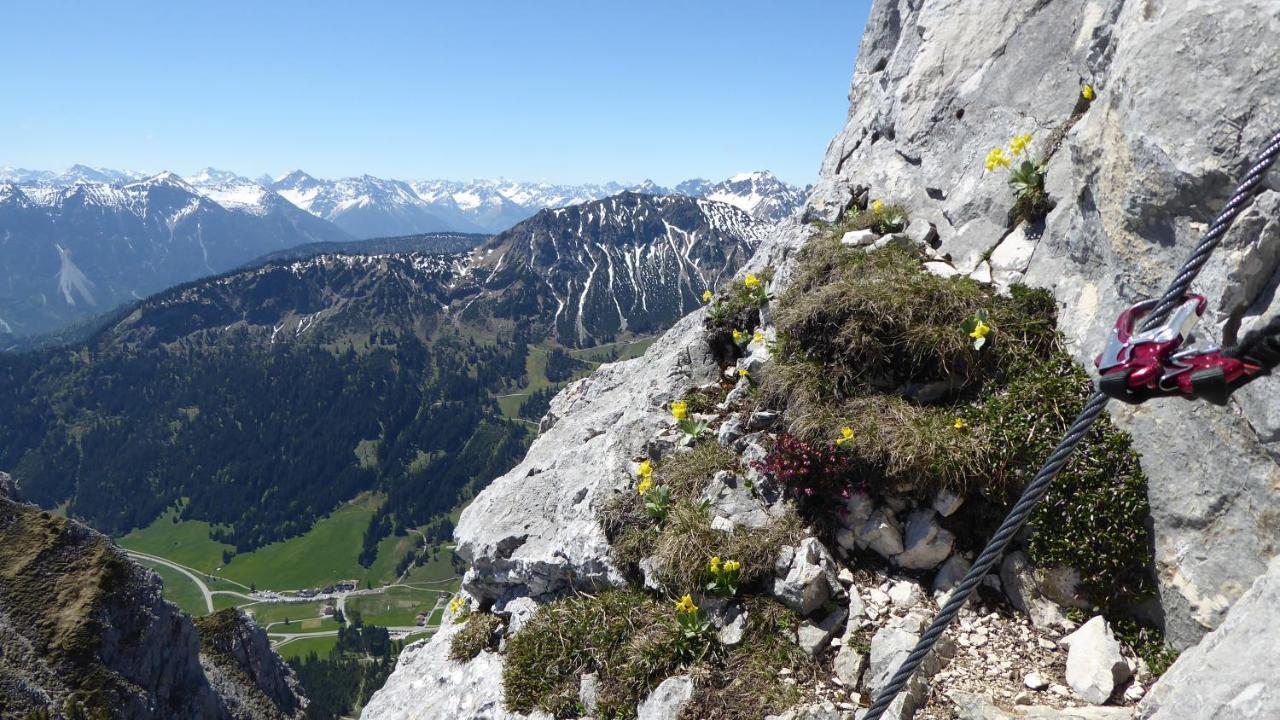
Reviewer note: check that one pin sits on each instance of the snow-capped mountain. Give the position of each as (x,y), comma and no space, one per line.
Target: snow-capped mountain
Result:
(495,205)
(630,263)
(368,206)
(760,193)
(70,251)
(364,206)
(627,265)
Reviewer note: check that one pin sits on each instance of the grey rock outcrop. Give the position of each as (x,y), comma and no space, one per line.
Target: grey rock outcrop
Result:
(534,529)
(253,682)
(813,637)
(1182,102)
(1231,673)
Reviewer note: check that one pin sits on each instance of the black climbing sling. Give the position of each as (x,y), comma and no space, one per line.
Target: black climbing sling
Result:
(1260,349)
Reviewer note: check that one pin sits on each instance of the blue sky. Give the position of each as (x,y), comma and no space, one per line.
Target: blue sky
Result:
(558,91)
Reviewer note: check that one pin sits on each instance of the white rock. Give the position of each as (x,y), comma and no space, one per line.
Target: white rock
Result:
(951,573)
(1011,257)
(1134,693)
(813,637)
(808,577)
(947,502)
(941,268)
(730,430)
(1035,681)
(1234,667)
(427,685)
(857,509)
(858,238)
(849,665)
(881,534)
(970,706)
(905,594)
(589,692)
(534,530)
(1021,586)
(667,700)
(728,498)
(1095,665)
(926,543)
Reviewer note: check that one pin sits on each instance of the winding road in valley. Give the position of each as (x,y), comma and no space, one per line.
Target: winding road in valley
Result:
(277,638)
(204,589)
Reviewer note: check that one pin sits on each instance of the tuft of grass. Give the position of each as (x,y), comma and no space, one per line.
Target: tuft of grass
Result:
(743,682)
(888,219)
(632,643)
(879,319)
(874,342)
(476,635)
(628,639)
(705,399)
(634,535)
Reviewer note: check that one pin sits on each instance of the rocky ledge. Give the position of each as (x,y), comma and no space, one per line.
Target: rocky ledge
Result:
(87,633)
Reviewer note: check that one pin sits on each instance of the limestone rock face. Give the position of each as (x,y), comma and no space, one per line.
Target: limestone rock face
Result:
(1184,97)
(534,528)
(427,685)
(1231,674)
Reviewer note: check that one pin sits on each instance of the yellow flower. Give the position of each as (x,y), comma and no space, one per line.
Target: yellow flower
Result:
(758,336)
(645,485)
(960,424)
(686,605)
(846,434)
(706,296)
(1019,143)
(715,564)
(1087,92)
(980,331)
(456,604)
(732,566)
(996,158)
(680,410)
(645,469)
(739,336)
(877,207)
(751,282)
(742,372)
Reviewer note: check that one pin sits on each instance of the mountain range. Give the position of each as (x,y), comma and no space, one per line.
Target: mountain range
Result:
(76,244)
(308,380)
